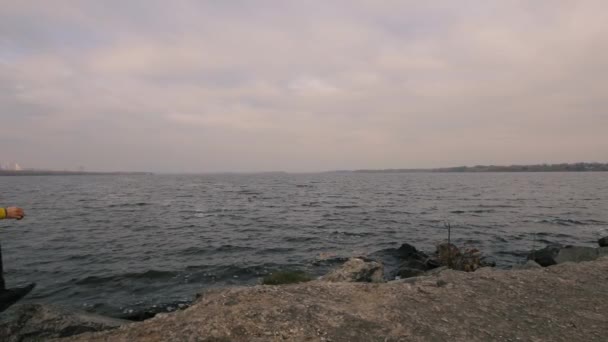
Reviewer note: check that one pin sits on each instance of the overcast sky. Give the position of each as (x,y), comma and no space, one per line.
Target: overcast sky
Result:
(206,86)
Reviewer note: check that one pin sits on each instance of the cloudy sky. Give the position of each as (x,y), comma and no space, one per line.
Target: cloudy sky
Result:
(206,86)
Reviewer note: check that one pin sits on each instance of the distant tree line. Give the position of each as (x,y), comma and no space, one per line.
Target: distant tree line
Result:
(564,167)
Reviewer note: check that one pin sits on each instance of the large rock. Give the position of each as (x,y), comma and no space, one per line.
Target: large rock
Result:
(566,304)
(36,322)
(407,251)
(411,268)
(555,254)
(414,262)
(603,241)
(357,270)
(546,256)
(576,254)
(487,261)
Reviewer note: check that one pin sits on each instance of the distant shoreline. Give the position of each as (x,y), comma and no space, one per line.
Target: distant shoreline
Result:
(564,167)
(575,167)
(66,173)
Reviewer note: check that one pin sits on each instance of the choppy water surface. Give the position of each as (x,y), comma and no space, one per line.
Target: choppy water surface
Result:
(115,243)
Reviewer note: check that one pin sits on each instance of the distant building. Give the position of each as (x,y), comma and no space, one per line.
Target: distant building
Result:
(10,166)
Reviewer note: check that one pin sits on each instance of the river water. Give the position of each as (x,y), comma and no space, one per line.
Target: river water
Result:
(113,244)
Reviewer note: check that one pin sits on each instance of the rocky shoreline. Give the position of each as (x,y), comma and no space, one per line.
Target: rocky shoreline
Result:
(433,298)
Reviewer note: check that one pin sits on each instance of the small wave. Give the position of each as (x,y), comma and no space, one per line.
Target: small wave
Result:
(562,235)
(477,211)
(195,251)
(150,274)
(87,200)
(567,222)
(300,238)
(79,256)
(470,241)
(357,234)
(275,250)
(247,230)
(392,211)
(329,261)
(138,314)
(513,253)
(389,221)
(244,273)
(233,248)
(543,236)
(248,192)
(184,226)
(191,211)
(138,204)
(497,206)
(346,206)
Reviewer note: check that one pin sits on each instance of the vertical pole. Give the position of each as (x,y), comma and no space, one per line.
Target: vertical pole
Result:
(2,284)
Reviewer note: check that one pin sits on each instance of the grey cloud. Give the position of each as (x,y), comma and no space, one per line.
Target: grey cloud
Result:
(302,86)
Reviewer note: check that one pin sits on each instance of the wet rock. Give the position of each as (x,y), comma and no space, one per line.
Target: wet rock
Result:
(357,270)
(603,242)
(487,262)
(411,268)
(414,262)
(144,313)
(407,251)
(406,272)
(546,256)
(35,322)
